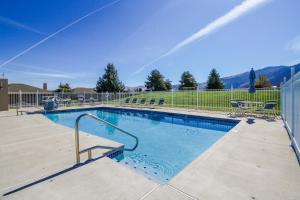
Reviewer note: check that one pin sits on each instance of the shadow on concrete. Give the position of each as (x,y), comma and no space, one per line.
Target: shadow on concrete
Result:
(59,173)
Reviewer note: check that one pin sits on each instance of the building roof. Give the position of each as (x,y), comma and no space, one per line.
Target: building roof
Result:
(83,90)
(16,87)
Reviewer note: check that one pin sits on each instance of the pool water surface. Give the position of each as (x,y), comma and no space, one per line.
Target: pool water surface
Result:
(167,142)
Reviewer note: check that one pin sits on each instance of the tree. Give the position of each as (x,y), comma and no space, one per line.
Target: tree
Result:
(155,81)
(262,82)
(214,80)
(109,82)
(63,88)
(187,81)
(168,84)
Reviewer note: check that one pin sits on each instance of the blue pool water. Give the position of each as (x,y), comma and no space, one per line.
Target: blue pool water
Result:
(167,142)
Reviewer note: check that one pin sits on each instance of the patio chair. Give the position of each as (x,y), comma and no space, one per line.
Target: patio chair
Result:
(91,100)
(67,102)
(161,102)
(268,110)
(152,102)
(50,105)
(143,101)
(127,100)
(81,99)
(134,100)
(235,109)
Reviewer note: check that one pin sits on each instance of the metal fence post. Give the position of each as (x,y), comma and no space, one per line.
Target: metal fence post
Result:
(231,92)
(284,81)
(37,98)
(172,96)
(20,99)
(106,97)
(197,98)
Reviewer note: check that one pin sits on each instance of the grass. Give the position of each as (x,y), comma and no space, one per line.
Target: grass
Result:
(218,100)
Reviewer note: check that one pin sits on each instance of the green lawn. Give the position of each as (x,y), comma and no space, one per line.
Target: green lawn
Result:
(207,100)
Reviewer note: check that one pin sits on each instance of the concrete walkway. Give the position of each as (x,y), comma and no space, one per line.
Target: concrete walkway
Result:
(251,162)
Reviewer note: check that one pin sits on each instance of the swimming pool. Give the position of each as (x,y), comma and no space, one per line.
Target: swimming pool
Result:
(167,142)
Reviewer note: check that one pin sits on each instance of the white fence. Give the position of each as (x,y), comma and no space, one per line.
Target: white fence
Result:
(290,109)
(218,100)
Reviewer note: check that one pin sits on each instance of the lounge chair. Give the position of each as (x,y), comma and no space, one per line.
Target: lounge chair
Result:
(51,104)
(152,102)
(127,100)
(81,99)
(134,100)
(46,98)
(143,101)
(91,100)
(161,102)
(268,110)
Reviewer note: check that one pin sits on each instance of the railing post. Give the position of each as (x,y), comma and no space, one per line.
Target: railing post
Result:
(37,98)
(231,92)
(107,94)
(197,98)
(20,99)
(77,141)
(293,102)
(172,100)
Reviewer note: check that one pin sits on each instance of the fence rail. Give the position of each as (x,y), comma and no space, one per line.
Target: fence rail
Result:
(217,100)
(290,109)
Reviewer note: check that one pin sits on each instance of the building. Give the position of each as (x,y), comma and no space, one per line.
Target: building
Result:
(16,87)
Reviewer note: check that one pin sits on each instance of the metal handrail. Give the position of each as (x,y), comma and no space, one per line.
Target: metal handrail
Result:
(78,152)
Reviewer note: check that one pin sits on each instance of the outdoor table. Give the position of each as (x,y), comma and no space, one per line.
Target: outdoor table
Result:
(251,105)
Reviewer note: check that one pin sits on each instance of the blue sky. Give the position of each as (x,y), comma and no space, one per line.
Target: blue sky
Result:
(141,35)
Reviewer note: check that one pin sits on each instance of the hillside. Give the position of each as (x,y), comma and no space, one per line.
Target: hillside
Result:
(275,75)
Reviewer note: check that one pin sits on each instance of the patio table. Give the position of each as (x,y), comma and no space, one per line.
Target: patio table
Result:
(251,105)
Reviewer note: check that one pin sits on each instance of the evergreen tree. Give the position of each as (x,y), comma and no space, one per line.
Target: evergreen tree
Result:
(63,88)
(168,84)
(187,81)
(214,80)
(262,82)
(109,82)
(155,81)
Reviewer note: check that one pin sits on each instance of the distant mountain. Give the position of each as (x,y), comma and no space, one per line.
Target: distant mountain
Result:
(133,89)
(275,75)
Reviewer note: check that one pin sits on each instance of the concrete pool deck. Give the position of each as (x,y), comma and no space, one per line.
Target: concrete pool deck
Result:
(253,161)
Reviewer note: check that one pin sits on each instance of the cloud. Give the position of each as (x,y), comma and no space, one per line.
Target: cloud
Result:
(57,32)
(233,14)
(52,75)
(294,45)
(40,71)
(19,25)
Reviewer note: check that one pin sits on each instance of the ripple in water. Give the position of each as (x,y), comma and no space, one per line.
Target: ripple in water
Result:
(153,168)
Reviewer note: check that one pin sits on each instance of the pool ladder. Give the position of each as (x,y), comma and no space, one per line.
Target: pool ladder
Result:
(89,150)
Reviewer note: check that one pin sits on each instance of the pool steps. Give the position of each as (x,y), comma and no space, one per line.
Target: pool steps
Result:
(89,150)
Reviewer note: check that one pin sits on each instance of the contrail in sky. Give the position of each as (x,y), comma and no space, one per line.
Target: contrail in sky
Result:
(19,25)
(55,33)
(233,14)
